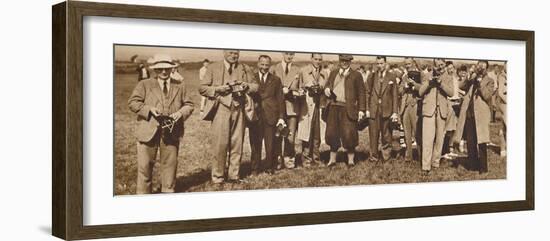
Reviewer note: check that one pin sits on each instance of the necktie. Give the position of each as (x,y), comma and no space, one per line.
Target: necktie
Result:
(165,88)
(263,78)
(230,70)
(286,68)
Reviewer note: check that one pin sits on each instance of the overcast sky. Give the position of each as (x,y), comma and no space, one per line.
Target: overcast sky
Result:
(125,52)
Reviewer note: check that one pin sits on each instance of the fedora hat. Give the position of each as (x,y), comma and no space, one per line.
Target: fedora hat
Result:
(162,61)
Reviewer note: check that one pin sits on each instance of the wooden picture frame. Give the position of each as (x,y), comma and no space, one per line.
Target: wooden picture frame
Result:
(67,123)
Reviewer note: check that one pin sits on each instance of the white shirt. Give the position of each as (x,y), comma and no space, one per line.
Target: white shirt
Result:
(344,71)
(227,65)
(161,84)
(284,64)
(264,77)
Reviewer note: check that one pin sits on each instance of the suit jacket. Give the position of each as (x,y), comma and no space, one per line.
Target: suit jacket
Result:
(269,99)
(291,80)
(482,108)
(216,75)
(354,90)
(147,94)
(434,97)
(383,101)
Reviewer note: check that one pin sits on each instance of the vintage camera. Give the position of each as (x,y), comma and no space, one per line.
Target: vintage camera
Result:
(238,90)
(282,131)
(313,90)
(436,74)
(166,123)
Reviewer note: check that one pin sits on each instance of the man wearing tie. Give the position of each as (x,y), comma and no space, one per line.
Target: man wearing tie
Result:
(152,100)
(475,114)
(345,98)
(290,78)
(408,111)
(436,87)
(311,129)
(224,85)
(381,91)
(270,108)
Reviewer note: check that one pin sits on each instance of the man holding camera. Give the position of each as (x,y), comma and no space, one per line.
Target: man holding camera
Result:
(271,111)
(345,105)
(436,87)
(475,114)
(381,93)
(162,105)
(311,128)
(289,74)
(408,89)
(225,85)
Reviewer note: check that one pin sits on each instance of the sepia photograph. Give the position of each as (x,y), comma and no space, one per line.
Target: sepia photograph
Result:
(203,119)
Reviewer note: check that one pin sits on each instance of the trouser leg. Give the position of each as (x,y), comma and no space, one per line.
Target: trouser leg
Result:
(236,145)
(270,146)
(482,158)
(386,138)
(440,124)
(255,136)
(428,137)
(168,165)
(220,142)
(146,154)
(374,127)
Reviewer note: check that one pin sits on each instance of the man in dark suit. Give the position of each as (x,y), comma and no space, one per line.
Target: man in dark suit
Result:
(345,98)
(271,111)
(381,91)
(152,100)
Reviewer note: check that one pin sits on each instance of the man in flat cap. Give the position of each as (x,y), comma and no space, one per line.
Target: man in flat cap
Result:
(224,85)
(162,104)
(345,105)
(381,91)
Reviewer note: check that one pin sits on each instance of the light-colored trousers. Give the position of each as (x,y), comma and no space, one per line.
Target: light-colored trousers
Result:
(410,119)
(227,138)
(433,134)
(146,155)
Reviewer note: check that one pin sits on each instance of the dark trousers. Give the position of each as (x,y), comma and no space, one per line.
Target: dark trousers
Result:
(259,132)
(380,126)
(477,153)
(341,130)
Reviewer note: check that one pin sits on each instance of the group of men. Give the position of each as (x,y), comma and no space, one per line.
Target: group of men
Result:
(292,110)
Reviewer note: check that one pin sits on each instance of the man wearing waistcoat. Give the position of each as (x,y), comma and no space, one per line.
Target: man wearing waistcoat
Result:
(436,87)
(345,104)
(225,108)
(152,100)
(381,91)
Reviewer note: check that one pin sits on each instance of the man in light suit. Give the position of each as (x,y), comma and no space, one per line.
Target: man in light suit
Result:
(381,93)
(270,108)
(224,85)
(311,129)
(436,87)
(475,115)
(152,100)
(289,74)
(345,97)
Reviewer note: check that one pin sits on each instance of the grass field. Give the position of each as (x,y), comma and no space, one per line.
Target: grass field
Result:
(193,173)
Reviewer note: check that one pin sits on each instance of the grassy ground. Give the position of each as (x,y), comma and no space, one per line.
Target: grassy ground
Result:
(193,173)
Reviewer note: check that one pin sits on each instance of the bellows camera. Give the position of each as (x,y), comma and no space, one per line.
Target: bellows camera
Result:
(237,89)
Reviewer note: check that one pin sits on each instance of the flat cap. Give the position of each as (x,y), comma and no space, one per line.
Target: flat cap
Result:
(347,57)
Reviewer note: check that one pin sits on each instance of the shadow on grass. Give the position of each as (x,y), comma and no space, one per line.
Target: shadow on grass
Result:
(199,177)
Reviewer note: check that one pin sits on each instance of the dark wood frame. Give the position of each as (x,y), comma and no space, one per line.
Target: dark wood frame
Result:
(67,121)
